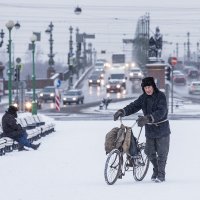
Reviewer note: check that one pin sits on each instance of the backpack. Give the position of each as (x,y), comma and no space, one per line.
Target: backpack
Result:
(118,137)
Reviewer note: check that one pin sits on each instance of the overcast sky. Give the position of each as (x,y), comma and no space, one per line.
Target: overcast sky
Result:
(110,21)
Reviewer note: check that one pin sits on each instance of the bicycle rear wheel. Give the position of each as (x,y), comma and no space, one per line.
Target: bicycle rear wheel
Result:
(140,170)
(112,167)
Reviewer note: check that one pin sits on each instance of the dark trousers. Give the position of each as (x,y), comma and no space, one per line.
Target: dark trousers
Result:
(157,151)
(23,141)
(157,148)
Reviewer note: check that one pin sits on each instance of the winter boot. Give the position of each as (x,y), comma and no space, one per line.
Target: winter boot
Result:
(155,169)
(161,171)
(35,146)
(21,148)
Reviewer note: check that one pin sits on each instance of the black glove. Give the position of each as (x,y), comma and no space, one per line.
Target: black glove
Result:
(142,120)
(119,113)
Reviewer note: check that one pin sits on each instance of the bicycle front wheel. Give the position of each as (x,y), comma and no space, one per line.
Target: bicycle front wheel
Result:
(140,170)
(112,167)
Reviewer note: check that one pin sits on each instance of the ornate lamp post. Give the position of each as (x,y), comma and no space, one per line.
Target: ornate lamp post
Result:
(70,58)
(51,55)
(10,24)
(34,103)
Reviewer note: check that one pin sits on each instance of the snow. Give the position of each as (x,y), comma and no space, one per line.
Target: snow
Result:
(70,165)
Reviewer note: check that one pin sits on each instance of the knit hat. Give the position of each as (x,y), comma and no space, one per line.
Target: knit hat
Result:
(148,81)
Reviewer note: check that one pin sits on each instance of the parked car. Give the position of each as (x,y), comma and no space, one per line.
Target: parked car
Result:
(194,87)
(48,93)
(179,77)
(136,73)
(73,96)
(116,83)
(94,80)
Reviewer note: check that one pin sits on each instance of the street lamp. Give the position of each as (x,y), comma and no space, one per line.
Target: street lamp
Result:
(10,24)
(49,31)
(77,10)
(70,58)
(34,103)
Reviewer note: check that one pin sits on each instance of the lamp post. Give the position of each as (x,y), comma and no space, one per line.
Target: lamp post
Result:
(34,104)
(51,55)
(70,58)
(10,24)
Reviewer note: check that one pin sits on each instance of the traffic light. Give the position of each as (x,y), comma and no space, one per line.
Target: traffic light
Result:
(17,73)
(78,46)
(8,48)
(168,73)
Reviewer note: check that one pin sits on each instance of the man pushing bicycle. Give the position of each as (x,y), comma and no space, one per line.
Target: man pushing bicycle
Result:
(157,130)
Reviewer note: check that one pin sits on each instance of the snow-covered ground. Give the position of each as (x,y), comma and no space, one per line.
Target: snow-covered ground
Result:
(70,163)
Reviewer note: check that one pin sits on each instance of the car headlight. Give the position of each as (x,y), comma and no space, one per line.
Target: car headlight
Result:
(41,94)
(98,81)
(64,98)
(118,86)
(52,94)
(74,98)
(131,74)
(90,81)
(108,86)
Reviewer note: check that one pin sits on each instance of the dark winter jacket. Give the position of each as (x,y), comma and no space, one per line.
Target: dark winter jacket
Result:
(10,127)
(156,106)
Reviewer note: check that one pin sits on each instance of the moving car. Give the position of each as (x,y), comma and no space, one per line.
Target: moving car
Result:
(94,79)
(179,77)
(116,83)
(194,87)
(135,73)
(100,74)
(48,93)
(73,96)
(27,101)
(193,74)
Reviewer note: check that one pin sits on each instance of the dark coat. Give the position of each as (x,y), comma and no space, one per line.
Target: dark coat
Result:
(156,106)
(10,127)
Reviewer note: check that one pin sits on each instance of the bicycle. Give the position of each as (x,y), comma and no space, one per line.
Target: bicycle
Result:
(118,163)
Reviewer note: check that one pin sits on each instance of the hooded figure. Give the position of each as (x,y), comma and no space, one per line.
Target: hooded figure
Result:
(14,130)
(157,131)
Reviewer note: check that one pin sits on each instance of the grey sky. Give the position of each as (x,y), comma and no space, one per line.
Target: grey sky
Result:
(110,21)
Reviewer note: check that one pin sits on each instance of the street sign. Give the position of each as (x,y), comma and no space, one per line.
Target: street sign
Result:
(38,35)
(18,60)
(57,83)
(172,61)
(128,41)
(88,36)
